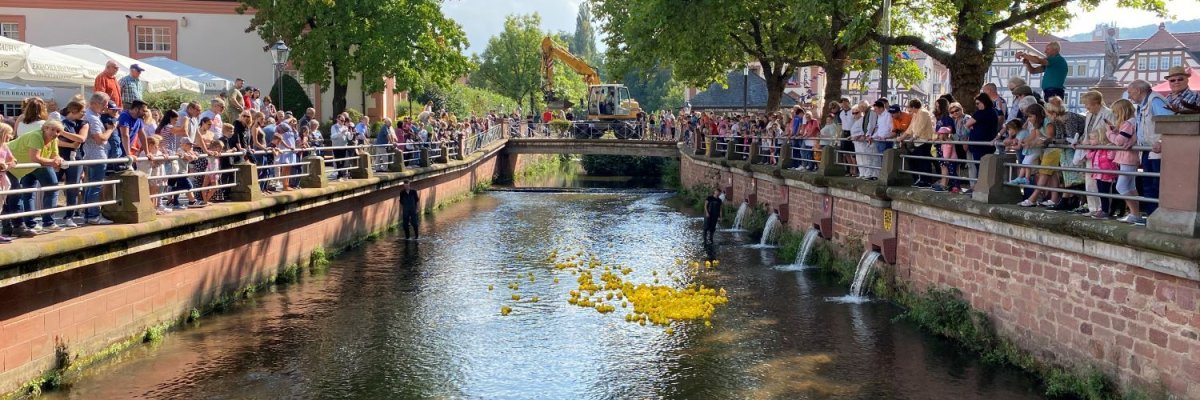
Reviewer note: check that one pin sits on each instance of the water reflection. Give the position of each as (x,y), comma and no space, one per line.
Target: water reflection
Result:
(399,320)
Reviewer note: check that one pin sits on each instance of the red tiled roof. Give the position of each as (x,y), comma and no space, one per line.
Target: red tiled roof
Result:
(1096,47)
(1032,36)
(1189,39)
(1162,40)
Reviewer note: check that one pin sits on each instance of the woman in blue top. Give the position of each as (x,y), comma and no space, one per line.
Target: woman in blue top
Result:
(984,125)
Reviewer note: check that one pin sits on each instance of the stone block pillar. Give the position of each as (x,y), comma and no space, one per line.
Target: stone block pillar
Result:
(731,149)
(133,199)
(1179,187)
(711,149)
(397,164)
(317,178)
(246,181)
(426,157)
(755,148)
(443,154)
(364,169)
(828,165)
(785,154)
(990,187)
(889,170)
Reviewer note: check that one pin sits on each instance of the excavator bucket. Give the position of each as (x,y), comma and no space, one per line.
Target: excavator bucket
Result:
(559,104)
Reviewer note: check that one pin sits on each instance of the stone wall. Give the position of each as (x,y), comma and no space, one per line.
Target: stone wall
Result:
(1067,293)
(186,259)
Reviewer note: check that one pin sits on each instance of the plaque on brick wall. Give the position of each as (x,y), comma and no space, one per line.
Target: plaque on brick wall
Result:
(889,220)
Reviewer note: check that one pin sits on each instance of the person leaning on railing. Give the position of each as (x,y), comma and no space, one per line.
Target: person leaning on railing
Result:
(1122,135)
(7,162)
(37,147)
(919,132)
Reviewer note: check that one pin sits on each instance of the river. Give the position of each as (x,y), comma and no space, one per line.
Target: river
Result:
(416,320)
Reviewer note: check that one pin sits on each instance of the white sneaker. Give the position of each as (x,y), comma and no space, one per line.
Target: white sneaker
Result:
(53,228)
(99,221)
(69,223)
(164,209)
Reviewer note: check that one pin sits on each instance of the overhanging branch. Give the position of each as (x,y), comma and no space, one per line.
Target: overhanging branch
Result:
(1018,18)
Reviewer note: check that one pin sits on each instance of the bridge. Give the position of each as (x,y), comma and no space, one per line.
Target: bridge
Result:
(650,148)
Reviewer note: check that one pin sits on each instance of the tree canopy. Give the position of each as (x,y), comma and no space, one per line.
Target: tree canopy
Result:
(971,28)
(333,41)
(512,64)
(703,40)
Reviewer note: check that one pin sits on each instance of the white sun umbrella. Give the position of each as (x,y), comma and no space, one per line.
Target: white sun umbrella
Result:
(24,63)
(157,79)
(10,92)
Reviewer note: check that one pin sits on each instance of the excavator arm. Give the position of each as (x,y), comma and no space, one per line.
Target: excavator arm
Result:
(551,52)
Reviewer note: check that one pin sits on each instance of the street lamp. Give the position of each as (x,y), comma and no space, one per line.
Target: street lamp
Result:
(885,61)
(279,56)
(746,90)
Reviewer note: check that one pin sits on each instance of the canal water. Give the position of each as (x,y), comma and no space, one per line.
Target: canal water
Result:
(403,320)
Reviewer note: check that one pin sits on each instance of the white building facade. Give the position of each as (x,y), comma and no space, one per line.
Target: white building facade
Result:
(207,34)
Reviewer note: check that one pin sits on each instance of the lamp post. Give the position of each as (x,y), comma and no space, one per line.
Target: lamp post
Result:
(886,59)
(746,90)
(279,56)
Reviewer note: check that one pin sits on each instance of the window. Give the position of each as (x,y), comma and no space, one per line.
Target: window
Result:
(1165,63)
(11,109)
(1177,60)
(1141,66)
(12,27)
(1081,70)
(149,38)
(1152,64)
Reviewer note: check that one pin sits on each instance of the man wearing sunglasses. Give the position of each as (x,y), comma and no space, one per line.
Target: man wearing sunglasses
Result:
(1182,100)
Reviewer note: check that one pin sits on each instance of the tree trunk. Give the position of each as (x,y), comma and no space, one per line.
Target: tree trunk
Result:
(968,68)
(776,82)
(835,72)
(339,91)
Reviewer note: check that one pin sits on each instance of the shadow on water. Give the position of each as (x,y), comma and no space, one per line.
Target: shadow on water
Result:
(413,320)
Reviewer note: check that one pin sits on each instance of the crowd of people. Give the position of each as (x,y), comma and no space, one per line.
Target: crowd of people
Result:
(188,152)
(945,143)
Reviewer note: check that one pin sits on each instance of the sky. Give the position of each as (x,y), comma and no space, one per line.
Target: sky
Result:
(482,19)
(1125,18)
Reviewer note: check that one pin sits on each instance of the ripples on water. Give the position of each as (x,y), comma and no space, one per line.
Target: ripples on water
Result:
(397,320)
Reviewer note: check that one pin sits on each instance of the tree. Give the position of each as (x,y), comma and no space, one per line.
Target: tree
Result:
(290,96)
(333,41)
(511,63)
(583,42)
(974,27)
(650,89)
(701,41)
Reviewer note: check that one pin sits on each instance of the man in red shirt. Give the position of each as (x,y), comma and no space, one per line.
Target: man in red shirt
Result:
(106,82)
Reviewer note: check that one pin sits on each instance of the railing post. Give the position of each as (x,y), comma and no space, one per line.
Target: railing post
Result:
(317,178)
(246,179)
(990,188)
(1178,210)
(397,164)
(889,169)
(755,148)
(711,149)
(133,199)
(731,148)
(425,157)
(364,169)
(828,165)
(785,154)
(444,155)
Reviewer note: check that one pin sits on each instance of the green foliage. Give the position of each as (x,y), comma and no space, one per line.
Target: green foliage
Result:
(464,100)
(511,63)
(583,42)
(636,166)
(154,334)
(288,95)
(355,115)
(193,316)
(670,174)
(334,41)
(560,126)
(374,129)
(652,88)
(318,259)
(288,274)
(171,99)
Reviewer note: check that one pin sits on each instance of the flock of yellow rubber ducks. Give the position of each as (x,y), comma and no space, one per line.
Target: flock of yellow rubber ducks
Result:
(657,304)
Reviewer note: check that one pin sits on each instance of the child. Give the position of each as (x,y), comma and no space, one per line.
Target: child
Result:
(947,153)
(212,179)
(154,165)
(1015,139)
(7,162)
(1127,160)
(187,160)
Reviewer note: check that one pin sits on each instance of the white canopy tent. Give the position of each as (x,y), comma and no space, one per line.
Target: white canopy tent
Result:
(157,79)
(212,82)
(23,63)
(15,93)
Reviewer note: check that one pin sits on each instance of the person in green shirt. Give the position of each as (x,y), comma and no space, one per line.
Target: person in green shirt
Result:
(37,147)
(1053,69)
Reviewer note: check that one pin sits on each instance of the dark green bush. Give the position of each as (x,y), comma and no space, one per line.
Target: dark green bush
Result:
(288,95)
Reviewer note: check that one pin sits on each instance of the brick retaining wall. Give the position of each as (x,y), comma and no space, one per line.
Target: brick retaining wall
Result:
(1070,301)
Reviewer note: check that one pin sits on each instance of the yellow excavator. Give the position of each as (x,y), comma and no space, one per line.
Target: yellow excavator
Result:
(609,106)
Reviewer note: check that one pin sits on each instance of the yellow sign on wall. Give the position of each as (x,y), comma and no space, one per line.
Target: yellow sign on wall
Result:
(889,219)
